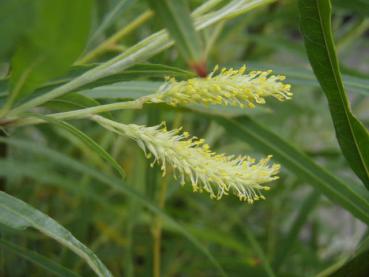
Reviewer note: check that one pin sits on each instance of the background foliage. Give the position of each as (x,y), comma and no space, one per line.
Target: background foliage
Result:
(75,198)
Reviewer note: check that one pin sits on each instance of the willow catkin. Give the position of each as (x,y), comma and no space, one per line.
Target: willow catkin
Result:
(193,161)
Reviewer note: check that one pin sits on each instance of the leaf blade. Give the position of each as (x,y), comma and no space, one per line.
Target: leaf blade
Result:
(352,136)
(52,43)
(176,18)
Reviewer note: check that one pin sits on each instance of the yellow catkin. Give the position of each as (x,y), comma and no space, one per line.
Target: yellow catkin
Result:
(193,161)
(227,87)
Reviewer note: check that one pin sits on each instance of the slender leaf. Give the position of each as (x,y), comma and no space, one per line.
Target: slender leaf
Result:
(353,198)
(37,259)
(53,42)
(176,17)
(138,71)
(71,101)
(19,215)
(352,136)
(108,20)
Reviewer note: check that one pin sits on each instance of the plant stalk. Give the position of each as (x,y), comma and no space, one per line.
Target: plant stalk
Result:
(157,231)
(82,113)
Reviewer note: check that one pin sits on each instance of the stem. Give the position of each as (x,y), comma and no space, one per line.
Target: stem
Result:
(112,41)
(157,231)
(84,113)
(153,117)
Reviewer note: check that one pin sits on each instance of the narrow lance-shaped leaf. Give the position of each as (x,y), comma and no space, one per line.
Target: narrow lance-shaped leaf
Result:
(351,134)
(19,215)
(176,17)
(109,19)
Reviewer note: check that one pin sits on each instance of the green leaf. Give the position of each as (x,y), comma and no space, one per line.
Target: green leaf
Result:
(37,259)
(15,17)
(52,43)
(353,197)
(176,17)
(71,101)
(352,136)
(19,215)
(138,71)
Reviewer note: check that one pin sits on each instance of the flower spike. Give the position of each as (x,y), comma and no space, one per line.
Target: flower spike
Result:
(228,87)
(192,159)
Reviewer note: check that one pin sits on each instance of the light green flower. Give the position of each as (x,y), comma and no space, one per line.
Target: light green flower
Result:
(228,87)
(193,160)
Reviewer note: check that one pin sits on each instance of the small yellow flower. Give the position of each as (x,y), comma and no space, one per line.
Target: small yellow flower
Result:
(228,87)
(193,160)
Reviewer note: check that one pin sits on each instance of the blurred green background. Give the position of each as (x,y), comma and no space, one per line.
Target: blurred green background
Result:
(297,231)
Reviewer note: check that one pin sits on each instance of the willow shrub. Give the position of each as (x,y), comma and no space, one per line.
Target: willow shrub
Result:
(96,100)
